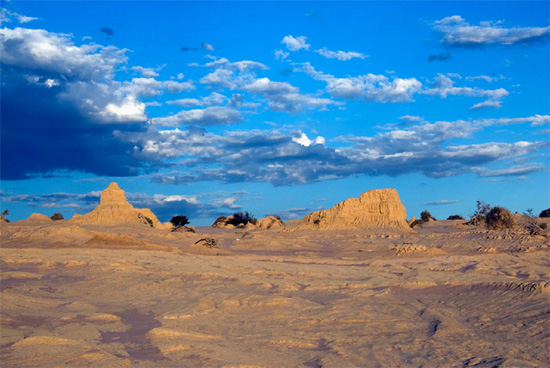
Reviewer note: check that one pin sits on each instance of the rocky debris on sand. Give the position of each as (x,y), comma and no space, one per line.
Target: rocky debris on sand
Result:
(377,208)
(208,242)
(114,209)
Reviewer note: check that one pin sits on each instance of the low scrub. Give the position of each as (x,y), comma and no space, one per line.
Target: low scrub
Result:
(57,216)
(455,217)
(499,218)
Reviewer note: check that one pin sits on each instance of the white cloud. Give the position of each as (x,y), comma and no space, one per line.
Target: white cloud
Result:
(295,43)
(290,158)
(489,103)
(512,170)
(243,65)
(162,199)
(213,99)
(207,46)
(444,86)
(141,87)
(43,51)
(411,118)
(281,55)
(369,87)
(146,72)
(128,110)
(231,75)
(177,87)
(7,16)
(306,142)
(486,78)
(283,96)
(180,76)
(340,55)
(456,31)
(210,116)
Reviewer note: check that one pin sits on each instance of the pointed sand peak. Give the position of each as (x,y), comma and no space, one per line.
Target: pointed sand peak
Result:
(113,194)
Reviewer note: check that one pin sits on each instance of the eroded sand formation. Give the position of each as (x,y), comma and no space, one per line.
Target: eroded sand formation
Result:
(377,208)
(446,295)
(114,209)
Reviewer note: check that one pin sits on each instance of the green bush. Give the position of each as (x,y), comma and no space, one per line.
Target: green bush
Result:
(545,213)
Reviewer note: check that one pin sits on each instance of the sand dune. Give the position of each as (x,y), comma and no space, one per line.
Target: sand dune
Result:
(445,295)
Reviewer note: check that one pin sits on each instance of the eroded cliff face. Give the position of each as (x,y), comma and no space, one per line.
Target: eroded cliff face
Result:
(114,209)
(377,208)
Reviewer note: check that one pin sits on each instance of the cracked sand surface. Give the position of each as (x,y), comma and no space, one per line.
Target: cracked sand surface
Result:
(144,297)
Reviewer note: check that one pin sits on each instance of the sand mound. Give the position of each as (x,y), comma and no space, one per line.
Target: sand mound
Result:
(269,222)
(378,208)
(114,209)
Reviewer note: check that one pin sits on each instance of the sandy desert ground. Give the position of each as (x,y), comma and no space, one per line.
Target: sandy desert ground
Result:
(445,295)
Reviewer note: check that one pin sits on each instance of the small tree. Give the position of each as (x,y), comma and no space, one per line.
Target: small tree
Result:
(5,213)
(426,216)
(57,216)
(179,221)
(545,213)
(478,217)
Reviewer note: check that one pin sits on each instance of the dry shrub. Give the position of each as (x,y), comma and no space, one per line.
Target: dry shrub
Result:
(219,221)
(415,223)
(455,217)
(57,216)
(499,218)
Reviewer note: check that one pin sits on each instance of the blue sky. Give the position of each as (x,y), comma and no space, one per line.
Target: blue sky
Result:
(207,108)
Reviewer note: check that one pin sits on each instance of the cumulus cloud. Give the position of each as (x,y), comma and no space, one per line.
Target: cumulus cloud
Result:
(281,55)
(457,32)
(283,96)
(231,75)
(201,117)
(45,52)
(146,72)
(340,55)
(369,87)
(213,99)
(75,99)
(444,86)
(177,87)
(290,158)
(295,43)
(303,140)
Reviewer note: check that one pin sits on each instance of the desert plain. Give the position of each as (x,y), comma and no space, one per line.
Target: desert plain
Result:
(445,294)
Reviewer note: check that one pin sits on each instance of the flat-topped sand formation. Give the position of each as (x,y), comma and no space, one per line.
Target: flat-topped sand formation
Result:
(94,293)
